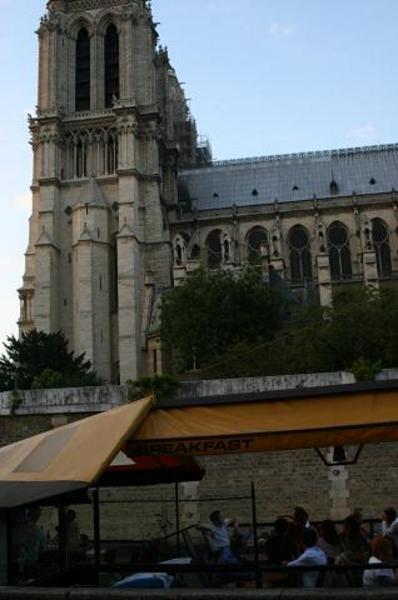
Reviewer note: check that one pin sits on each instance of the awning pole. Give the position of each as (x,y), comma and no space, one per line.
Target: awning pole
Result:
(259,582)
(63,552)
(97,535)
(10,557)
(4,548)
(177,498)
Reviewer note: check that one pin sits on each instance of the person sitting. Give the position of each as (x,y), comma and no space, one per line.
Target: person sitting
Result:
(32,544)
(389,526)
(329,540)
(355,548)
(382,551)
(300,523)
(280,547)
(73,538)
(218,533)
(312,555)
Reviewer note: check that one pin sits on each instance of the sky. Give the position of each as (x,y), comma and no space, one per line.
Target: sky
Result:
(263,76)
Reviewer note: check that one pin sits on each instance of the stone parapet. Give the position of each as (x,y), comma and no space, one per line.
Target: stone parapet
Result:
(63,400)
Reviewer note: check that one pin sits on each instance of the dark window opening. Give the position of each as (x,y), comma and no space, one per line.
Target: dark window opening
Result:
(381,244)
(215,195)
(112,84)
(372,181)
(155,362)
(257,245)
(339,252)
(334,187)
(295,188)
(300,256)
(254,192)
(82,100)
(195,252)
(214,249)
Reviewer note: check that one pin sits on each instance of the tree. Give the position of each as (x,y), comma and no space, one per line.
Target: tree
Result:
(359,333)
(213,310)
(41,359)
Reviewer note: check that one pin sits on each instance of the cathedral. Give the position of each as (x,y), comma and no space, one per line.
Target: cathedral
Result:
(127,200)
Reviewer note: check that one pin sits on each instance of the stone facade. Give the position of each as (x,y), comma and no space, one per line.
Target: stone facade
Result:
(320,221)
(103,177)
(122,211)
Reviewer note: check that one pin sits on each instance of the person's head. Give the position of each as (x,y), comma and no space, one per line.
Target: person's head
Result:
(382,548)
(389,515)
(309,537)
(70,515)
(281,526)
(216,518)
(34,515)
(352,527)
(329,533)
(300,516)
(358,515)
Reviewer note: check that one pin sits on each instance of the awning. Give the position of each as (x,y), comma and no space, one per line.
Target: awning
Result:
(152,470)
(320,420)
(66,459)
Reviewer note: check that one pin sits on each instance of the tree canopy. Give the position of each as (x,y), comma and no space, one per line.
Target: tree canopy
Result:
(42,360)
(213,310)
(359,333)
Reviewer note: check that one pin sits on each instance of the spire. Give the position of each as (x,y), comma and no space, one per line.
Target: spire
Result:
(92,195)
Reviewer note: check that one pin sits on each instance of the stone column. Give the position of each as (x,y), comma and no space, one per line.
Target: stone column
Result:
(339,492)
(84,318)
(46,299)
(324,280)
(370,274)
(130,288)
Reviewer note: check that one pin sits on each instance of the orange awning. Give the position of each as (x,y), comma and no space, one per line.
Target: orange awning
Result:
(68,458)
(353,417)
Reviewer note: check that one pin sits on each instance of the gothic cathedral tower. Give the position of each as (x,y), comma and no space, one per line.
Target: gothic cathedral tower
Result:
(110,129)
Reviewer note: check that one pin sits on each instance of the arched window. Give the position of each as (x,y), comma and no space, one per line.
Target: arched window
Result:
(82,70)
(382,248)
(257,245)
(111,65)
(195,252)
(214,250)
(339,252)
(299,255)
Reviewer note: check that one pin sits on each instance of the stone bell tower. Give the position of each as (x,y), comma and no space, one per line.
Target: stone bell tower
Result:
(106,141)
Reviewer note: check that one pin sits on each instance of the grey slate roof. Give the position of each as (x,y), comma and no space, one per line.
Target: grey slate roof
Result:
(232,182)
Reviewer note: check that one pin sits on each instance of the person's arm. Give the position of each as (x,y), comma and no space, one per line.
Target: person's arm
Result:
(298,562)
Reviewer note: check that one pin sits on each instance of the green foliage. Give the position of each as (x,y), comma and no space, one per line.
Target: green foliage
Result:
(161,386)
(213,310)
(42,360)
(366,370)
(359,334)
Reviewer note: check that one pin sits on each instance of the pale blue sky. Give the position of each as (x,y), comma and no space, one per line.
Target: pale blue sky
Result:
(265,77)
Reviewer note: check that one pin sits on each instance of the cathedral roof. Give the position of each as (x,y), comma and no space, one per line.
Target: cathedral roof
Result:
(291,177)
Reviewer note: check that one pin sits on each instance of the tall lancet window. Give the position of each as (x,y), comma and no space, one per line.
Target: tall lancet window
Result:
(111,65)
(83,70)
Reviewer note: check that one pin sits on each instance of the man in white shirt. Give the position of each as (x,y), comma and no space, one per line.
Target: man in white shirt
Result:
(312,555)
(218,532)
(390,525)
